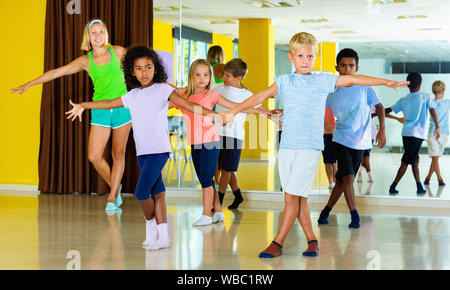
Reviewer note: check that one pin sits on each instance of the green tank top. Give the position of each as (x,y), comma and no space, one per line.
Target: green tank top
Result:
(216,80)
(108,79)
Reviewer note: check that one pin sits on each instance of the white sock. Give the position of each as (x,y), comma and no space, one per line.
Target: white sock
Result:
(150,231)
(163,236)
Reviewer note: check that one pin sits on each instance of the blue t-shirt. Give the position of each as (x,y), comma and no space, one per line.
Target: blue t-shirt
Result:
(352,108)
(304,98)
(442,110)
(415,108)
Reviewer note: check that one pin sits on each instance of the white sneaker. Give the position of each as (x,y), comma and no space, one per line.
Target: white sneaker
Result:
(156,245)
(218,217)
(204,221)
(331,186)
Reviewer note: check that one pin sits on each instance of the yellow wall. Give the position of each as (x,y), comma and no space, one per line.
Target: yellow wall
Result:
(226,43)
(22,28)
(257,49)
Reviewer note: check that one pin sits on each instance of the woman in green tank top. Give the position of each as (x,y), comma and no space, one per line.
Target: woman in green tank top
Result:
(103,63)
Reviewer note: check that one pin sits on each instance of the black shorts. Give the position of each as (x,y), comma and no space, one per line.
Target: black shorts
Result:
(348,159)
(328,153)
(367,152)
(411,145)
(230,153)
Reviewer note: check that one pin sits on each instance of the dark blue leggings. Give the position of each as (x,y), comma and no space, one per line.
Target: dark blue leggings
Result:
(150,180)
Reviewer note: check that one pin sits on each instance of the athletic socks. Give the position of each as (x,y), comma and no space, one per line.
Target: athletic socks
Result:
(392,188)
(355,219)
(323,218)
(420,189)
(313,249)
(221,196)
(150,232)
(163,240)
(272,251)
(238,199)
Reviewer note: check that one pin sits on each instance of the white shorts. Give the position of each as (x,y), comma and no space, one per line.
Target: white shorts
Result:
(297,170)
(436,147)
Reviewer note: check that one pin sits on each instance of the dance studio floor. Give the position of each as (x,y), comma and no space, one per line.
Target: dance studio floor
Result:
(72,231)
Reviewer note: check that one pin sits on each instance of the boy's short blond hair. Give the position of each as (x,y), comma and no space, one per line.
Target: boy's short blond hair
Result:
(303,39)
(438,87)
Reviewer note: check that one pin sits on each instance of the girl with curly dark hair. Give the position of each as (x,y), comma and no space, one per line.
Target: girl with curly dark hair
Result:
(148,103)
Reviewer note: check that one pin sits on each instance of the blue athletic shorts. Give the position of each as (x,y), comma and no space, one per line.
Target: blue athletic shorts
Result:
(230,153)
(150,181)
(111,118)
(204,157)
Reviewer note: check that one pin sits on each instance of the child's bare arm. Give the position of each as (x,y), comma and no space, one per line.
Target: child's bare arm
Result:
(362,80)
(381,136)
(78,109)
(189,106)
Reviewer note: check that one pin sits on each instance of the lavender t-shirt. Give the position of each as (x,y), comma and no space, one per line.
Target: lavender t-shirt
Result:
(148,108)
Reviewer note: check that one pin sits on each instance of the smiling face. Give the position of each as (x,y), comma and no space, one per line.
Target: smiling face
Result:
(347,66)
(97,35)
(144,71)
(201,76)
(303,58)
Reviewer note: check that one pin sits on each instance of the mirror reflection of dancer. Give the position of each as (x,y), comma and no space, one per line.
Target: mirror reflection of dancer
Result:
(103,63)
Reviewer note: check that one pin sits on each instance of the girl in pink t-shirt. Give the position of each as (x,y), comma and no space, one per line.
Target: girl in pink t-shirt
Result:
(203,136)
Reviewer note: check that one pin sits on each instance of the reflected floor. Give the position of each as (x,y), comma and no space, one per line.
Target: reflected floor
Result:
(59,231)
(262,176)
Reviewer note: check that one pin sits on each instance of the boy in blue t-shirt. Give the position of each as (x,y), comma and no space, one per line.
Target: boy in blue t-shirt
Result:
(352,134)
(436,147)
(304,96)
(415,107)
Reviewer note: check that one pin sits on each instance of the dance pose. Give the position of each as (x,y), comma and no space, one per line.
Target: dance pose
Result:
(148,103)
(103,63)
(304,97)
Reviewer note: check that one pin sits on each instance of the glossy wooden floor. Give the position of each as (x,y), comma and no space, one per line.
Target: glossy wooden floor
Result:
(58,231)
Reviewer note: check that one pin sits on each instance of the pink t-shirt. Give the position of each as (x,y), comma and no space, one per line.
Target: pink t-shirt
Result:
(201,129)
(329,118)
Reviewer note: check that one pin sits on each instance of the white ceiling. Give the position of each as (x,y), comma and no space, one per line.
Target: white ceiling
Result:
(427,38)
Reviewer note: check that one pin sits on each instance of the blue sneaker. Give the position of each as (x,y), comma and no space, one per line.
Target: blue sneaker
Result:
(110,206)
(119,197)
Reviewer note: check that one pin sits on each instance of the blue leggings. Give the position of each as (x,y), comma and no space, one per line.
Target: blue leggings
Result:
(150,180)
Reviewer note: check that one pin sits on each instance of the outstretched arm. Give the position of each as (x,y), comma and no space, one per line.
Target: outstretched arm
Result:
(189,106)
(251,102)
(224,102)
(81,63)
(362,80)
(78,109)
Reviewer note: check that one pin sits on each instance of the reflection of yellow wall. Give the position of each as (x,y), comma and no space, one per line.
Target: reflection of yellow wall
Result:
(163,40)
(326,57)
(19,233)
(257,49)
(22,27)
(226,43)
